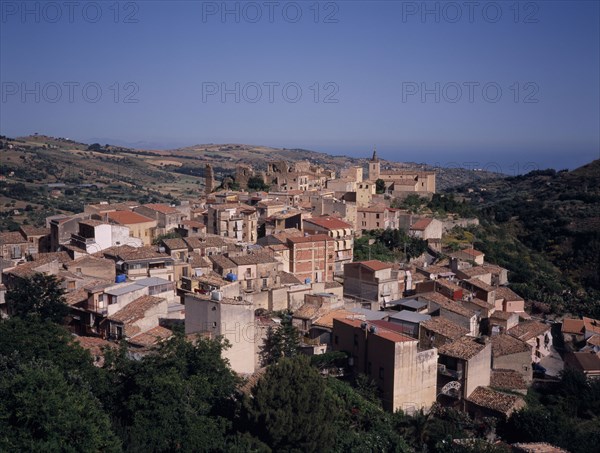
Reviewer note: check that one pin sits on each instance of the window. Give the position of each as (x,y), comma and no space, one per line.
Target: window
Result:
(380,372)
(336,340)
(377,216)
(355,340)
(265,284)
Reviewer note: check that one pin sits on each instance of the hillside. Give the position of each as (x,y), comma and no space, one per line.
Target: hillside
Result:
(42,175)
(545,226)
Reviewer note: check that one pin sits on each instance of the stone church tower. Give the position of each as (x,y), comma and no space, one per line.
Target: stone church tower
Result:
(374,167)
(209,179)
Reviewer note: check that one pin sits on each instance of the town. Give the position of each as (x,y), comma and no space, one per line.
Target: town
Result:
(436,327)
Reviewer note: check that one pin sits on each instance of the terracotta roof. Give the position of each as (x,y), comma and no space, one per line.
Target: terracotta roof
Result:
(375,265)
(504,292)
(129,253)
(584,361)
(62,257)
(594,340)
(447,304)
(12,237)
(537,447)
(496,401)
(529,329)
(222,261)
(151,337)
(289,279)
(34,231)
(128,217)
(136,309)
(27,269)
(253,258)
(327,319)
(421,225)
(591,325)
(175,244)
(444,327)
(329,223)
(463,348)
(573,326)
(77,296)
(91,222)
(502,315)
(313,238)
(163,208)
(505,345)
(474,271)
(379,208)
(480,284)
(96,346)
(507,379)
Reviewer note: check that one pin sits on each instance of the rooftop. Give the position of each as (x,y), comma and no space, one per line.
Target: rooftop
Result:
(375,265)
(128,217)
(136,309)
(327,319)
(329,223)
(507,379)
(463,348)
(591,325)
(584,361)
(312,238)
(151,337)
(497,401)
(162,208)
(410,316)
(505,345)
(12,237)
(573,326)
(445,327)
(529,329)
(421,225)
(504,292)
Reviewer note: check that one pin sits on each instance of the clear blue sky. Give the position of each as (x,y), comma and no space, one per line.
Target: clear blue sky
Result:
(374,58)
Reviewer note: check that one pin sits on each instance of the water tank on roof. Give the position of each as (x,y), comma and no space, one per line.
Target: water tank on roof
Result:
(216,295)
(161,250)
(231,277)
(307,281)
(373,329)
(120,278)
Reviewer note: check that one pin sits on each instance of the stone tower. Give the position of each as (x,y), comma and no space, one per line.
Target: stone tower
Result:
(374,167)
(209,179)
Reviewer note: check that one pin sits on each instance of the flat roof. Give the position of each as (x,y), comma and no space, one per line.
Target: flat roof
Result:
(409,316)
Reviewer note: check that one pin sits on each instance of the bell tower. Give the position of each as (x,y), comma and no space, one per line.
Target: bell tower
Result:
(374,166)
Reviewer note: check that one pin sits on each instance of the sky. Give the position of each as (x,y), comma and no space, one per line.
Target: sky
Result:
(508,86)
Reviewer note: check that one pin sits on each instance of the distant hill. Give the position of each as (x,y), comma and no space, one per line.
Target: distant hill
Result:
(546,225)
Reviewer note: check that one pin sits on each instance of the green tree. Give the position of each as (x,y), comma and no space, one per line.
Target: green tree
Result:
(281,341)
(40,295)
(173,399)
(257,183)
(380,186)
(42,410)
(290,408)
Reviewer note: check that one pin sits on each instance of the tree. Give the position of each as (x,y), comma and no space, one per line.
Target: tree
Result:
(281,341)
(257,183)
(42,410)
(380,186)
(174,399)
(40,295)
(290,408)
